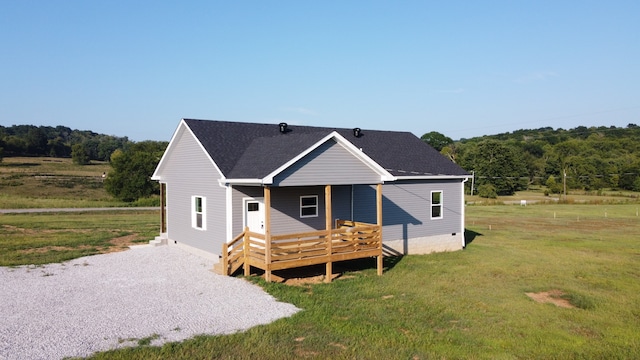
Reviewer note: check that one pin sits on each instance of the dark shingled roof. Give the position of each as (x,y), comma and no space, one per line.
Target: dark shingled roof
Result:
(252,151)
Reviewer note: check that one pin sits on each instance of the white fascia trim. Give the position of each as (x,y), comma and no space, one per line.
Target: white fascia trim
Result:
(183,125)
(384,174)
(434,177)
(241,181)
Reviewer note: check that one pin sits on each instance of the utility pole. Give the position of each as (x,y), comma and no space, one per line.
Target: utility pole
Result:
(473,177)
(564,182)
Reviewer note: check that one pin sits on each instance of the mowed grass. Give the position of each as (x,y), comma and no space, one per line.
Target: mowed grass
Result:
(536,195)
(41,182)
(469,304)
(55,237)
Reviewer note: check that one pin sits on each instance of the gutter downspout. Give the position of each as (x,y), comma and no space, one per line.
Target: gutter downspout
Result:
(464,241)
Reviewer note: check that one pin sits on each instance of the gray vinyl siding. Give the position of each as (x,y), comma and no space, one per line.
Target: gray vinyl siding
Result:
(330,163)
(189,172)
(406,208)
(237,206)
(285,208)
(341,201)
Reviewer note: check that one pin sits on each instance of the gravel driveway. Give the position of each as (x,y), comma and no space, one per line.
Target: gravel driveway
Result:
(109,301)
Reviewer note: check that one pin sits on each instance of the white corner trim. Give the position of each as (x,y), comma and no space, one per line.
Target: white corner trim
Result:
(229,214)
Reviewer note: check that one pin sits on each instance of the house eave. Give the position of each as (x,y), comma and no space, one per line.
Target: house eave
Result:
(433,177)
(252,182)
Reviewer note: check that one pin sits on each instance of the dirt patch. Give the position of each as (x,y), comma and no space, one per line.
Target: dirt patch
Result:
(15,229)
(552,296)
(121,243)
(45,249)
(304,280)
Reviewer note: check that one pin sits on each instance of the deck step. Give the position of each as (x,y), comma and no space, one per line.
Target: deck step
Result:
(158,241)
(218,268)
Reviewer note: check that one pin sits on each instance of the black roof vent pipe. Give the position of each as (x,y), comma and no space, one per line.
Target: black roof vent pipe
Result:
(356,132)
(283,127)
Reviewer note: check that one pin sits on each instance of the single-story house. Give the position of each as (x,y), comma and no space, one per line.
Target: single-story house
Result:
(219,179)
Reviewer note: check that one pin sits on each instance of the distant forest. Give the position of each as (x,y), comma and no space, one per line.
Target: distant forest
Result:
(59,141)
(584,158)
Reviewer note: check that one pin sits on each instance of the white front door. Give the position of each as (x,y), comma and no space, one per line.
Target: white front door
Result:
(254,214)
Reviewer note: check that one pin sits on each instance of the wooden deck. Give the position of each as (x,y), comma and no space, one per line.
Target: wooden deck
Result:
(348,240)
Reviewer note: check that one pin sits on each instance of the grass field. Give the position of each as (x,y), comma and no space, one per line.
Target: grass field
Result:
(55,237)
(469,304)
(41,182)
(473,304)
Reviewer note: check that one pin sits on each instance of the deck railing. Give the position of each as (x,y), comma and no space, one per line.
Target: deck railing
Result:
(349,240)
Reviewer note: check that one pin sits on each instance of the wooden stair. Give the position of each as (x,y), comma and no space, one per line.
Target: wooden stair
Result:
(218,268)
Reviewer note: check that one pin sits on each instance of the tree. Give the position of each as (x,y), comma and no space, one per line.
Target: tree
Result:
(553,185)
(79,154)
(630,177)
(36,142)
(130,177)
(497,164)
(436,140)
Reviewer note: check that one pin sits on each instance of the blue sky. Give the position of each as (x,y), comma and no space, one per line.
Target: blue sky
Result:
(462,68)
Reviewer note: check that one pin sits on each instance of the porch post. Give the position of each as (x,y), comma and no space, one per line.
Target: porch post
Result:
(267,233)
(379,223)
(246,266)
(328,226)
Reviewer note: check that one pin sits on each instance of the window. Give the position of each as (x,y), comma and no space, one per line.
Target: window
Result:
(436,204)
(308,206)
(198,212)
(253,206)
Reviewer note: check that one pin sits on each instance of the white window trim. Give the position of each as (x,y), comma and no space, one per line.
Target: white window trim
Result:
(308,206)
(441,204)
(194,221)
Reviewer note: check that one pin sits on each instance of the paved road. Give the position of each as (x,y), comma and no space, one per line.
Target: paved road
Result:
(26,211)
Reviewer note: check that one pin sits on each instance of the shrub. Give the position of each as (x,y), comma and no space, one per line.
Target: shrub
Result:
(487,191)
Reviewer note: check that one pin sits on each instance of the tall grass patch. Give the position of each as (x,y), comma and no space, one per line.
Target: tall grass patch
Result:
(55,183)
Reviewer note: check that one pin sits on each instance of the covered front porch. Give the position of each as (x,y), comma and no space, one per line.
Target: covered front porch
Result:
(338,241)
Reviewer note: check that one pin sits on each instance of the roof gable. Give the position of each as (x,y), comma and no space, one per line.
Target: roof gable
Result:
(178,138)
(329,163)
(255,151)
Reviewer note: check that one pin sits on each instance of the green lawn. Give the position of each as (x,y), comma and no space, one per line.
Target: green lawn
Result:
(55,237)
(458,305)
(468,304)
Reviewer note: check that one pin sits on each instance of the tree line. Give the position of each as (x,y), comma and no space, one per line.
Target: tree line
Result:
(59,141)
(132,163)
(585,158)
